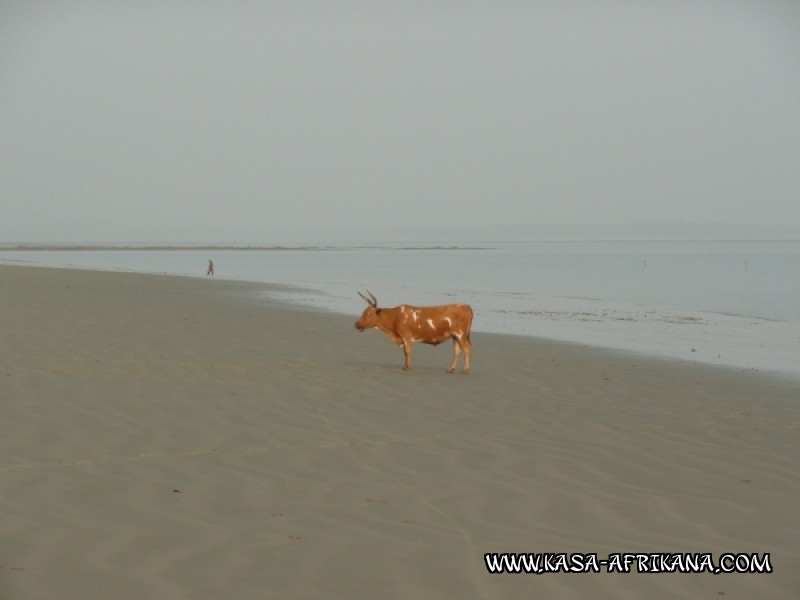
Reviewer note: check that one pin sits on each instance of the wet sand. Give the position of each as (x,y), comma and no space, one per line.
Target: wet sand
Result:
(167,437)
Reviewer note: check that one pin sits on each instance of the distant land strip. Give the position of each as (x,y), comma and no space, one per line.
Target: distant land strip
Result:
(217,248)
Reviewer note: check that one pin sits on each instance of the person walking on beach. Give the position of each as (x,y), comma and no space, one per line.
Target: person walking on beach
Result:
(210,270)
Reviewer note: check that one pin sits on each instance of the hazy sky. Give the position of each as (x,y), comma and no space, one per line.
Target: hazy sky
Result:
(239,121)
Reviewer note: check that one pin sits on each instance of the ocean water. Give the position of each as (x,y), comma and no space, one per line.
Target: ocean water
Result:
(734,303)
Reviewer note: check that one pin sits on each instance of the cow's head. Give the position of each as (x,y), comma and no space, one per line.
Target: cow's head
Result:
(369,318)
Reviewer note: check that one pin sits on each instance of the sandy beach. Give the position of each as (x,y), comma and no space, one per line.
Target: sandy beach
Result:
(167,437)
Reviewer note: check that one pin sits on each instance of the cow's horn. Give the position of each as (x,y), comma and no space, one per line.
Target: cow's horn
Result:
(367,300)
(374,299)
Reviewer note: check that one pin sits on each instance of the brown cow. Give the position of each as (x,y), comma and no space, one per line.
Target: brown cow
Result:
(405,324)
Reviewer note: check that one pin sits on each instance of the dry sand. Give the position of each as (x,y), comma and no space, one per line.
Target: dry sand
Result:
(173,438)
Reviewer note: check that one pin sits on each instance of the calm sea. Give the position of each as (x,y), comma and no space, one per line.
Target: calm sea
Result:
(725,302)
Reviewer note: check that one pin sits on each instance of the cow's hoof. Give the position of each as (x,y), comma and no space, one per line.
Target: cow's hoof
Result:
(450,370)
(465,371)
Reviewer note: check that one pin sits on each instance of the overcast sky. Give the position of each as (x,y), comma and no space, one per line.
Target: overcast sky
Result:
(254,121)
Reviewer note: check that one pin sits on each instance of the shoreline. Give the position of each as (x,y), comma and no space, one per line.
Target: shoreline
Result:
(172,437)
(643,338)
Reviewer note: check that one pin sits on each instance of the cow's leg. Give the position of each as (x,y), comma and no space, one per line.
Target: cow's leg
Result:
(467,345)
(456,354)
(407,353)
